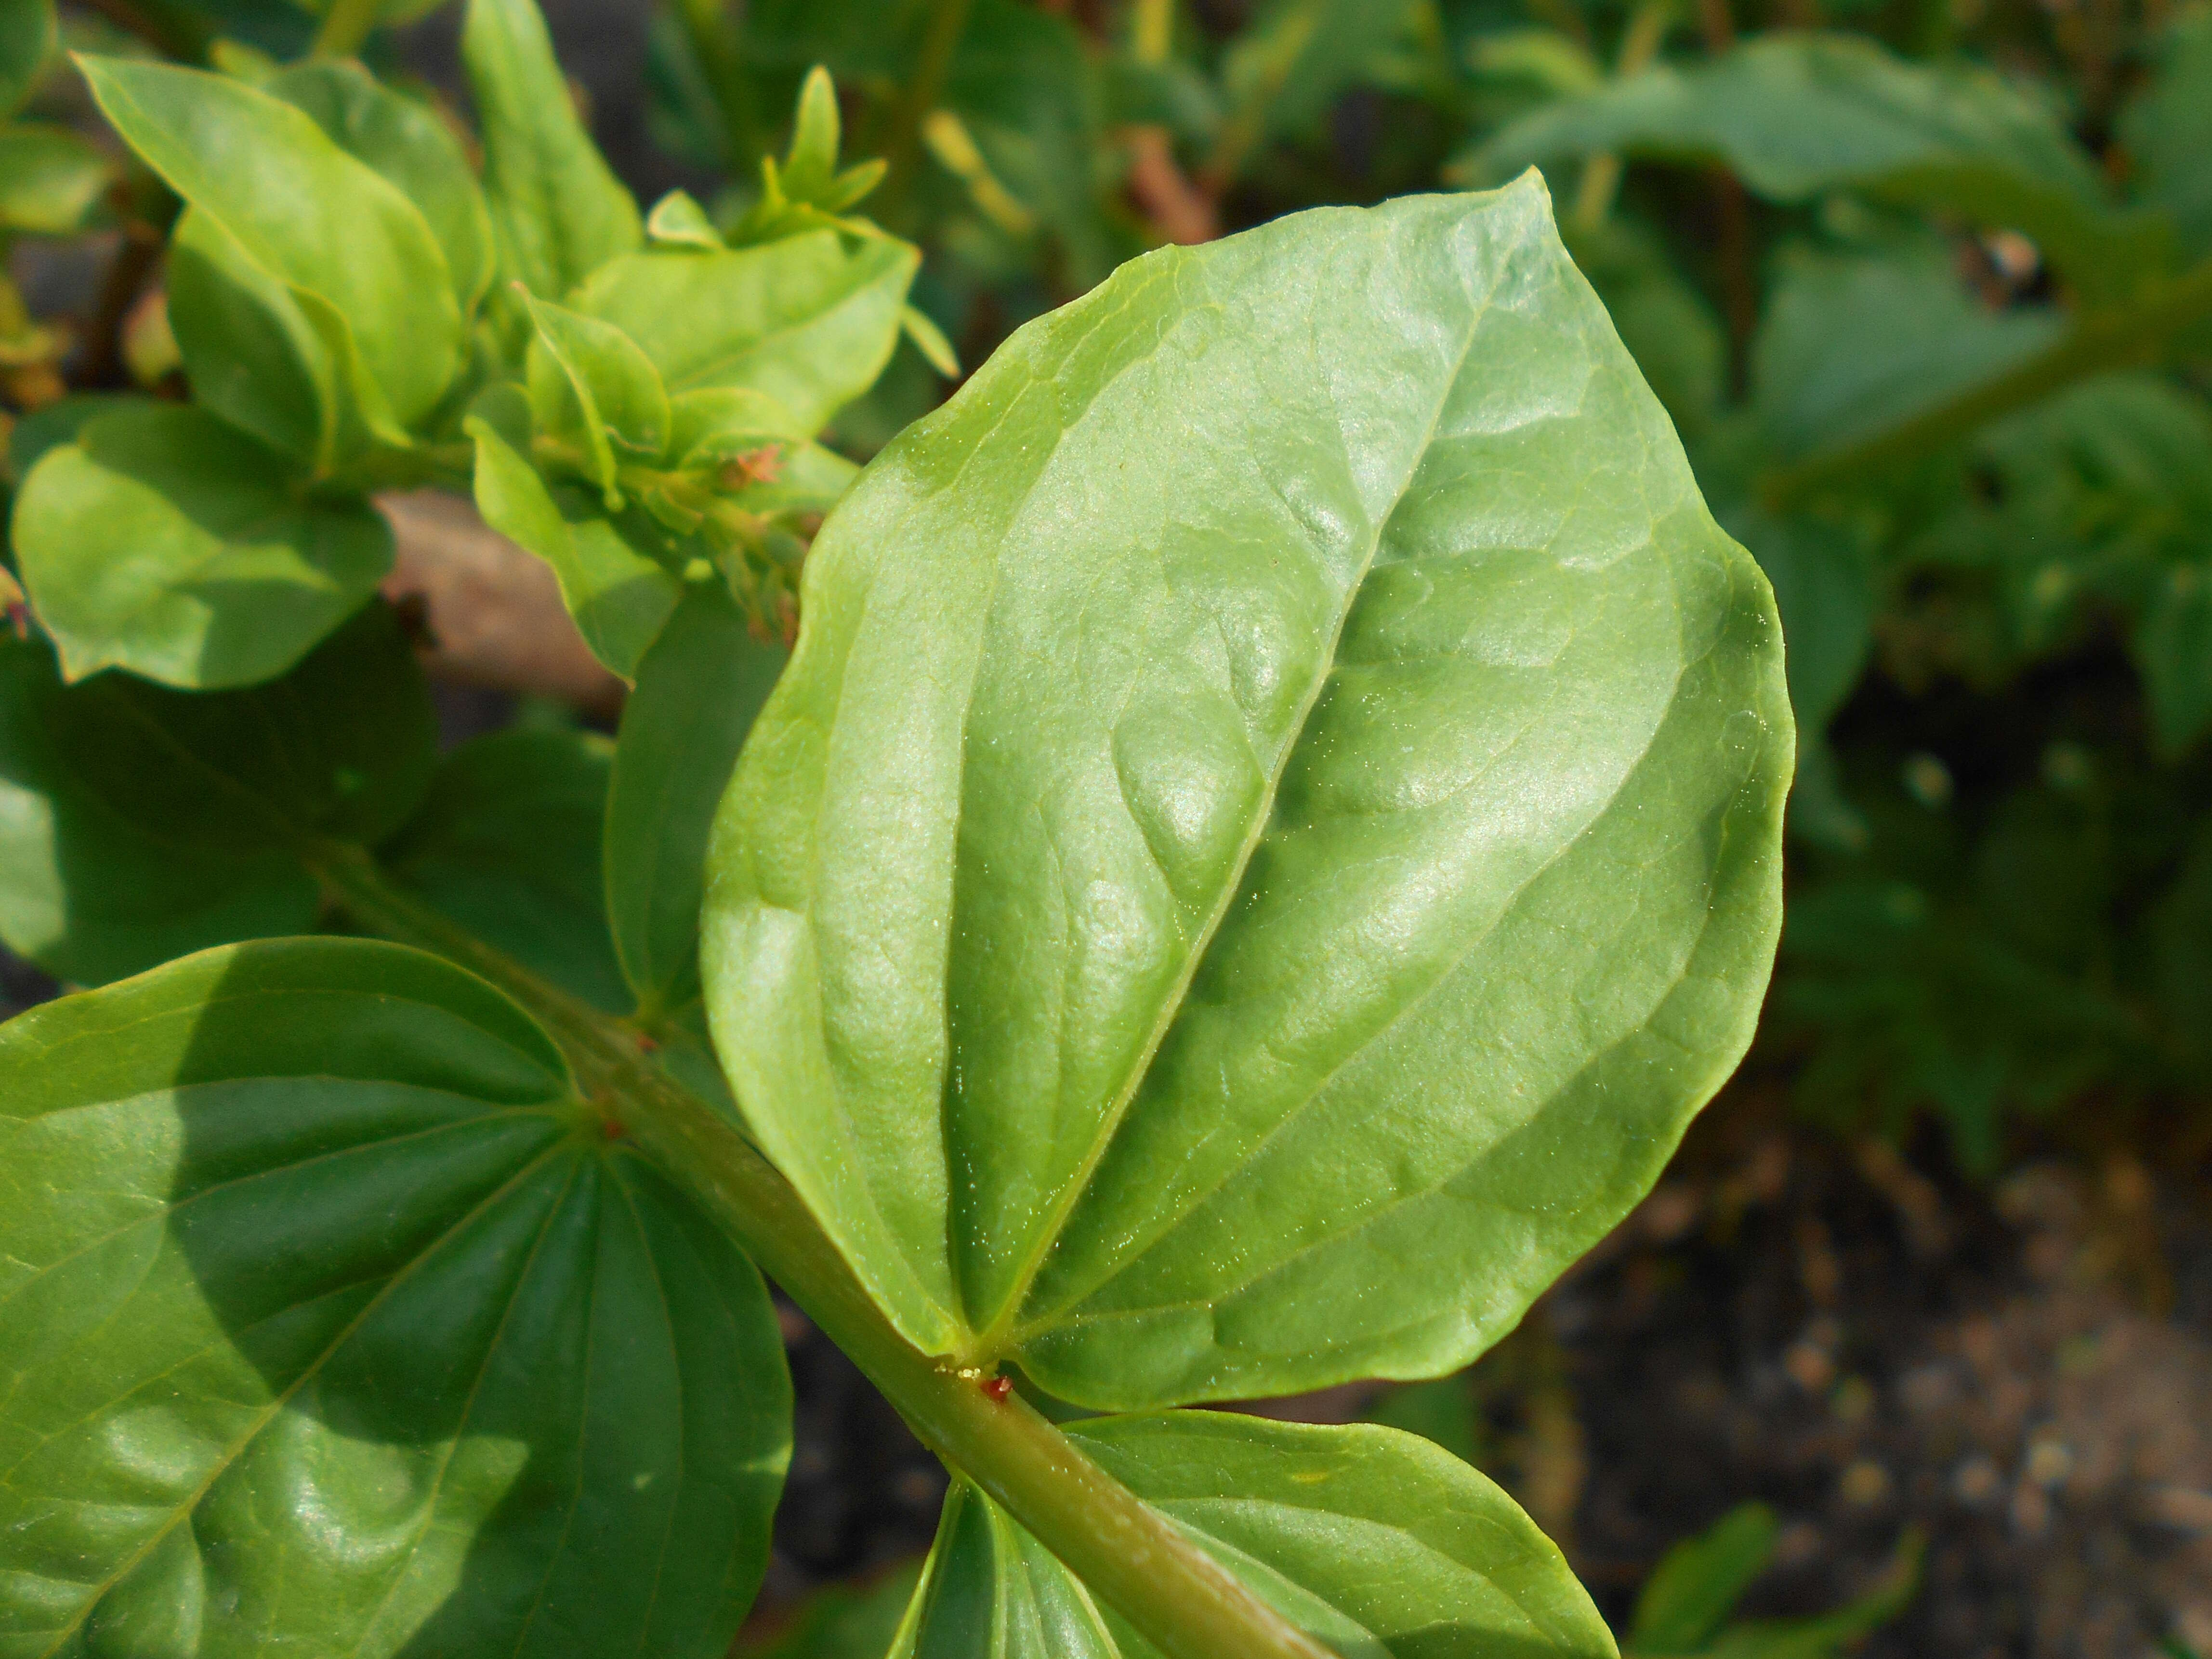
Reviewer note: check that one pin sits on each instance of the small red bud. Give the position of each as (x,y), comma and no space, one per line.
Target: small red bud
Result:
(997,1387)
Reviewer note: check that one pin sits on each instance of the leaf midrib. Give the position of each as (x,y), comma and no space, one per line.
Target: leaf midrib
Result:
(997,1338)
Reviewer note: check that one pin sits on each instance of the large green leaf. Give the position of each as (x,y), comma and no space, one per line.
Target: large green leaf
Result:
(506,843)
(343,237)
(168,543)
(407,143)
(1375,1543)
(559,212)
(1796,115)
(2168,129)
(811,319)
(137,823)
(698,691)
(331,1322)
(1269,831)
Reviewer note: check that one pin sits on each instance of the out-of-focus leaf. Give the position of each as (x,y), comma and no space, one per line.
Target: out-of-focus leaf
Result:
(842,1622)
(1698,1583)
(506,843)
(1796,115)
(559,212)
(2167,129)
(1289,65)
(1852,344)
(412,148)
(332,1321)
(26,41)
(809,321)
(678,221)
(619,597)
(1824,586)
(1825,1635)
(1442,1410)
(1374,1542)
(167,543)
(1210,701)
(50,180)
(138,824)
(250,354)
(698,690)
(589,381)
(1665,323)
(340,235)
(2172,647)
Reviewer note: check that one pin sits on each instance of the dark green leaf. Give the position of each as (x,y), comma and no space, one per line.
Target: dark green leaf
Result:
(1373,1542)
(810,320)
(2168,130)
(842,1622)
(137,823)
(357,254)
(26,41)
(167,543)
(698,690)
(559,213)
(412,148)
(1289,65)
(1798,115)
(506,843)
(1280,779)
(332,1322)
(50,180)
(1853,344)
(1698,1583)
(619,597)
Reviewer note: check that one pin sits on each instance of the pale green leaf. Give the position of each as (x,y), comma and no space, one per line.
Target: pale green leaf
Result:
(698,690)
(167,543)
(588,380)
(678,221)
(929,340)
(810,320)
(1270,829)
(138,824)
(408,144)
(619,597)
(1376,1543)
(330,227)
(559,212)
(50,180)
(331,1322)
(1795,115)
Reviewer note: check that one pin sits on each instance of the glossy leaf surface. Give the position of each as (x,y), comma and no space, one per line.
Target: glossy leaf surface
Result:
(333,229)
(1374,1542)
(499,1390)
(1282,759)
(138,824)
(698,691)
(559,212)
(589,380)
(811,319)
(167,541)
(1795,115)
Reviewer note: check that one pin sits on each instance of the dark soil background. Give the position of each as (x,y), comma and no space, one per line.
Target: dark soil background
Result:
(1848,1332)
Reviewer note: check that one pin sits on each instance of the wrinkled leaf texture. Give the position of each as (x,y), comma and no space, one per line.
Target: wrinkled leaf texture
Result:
(1270,829)
(499,1390)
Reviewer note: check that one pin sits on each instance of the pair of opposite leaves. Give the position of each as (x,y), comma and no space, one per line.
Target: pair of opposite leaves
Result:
(1270,830)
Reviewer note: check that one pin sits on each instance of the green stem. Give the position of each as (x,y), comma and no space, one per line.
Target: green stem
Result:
(345,26)
(932,65)
(1176,1595)
(2098,343)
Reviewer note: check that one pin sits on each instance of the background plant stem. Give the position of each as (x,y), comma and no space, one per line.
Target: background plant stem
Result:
(1177,1596)
(933,64)
(345,26)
